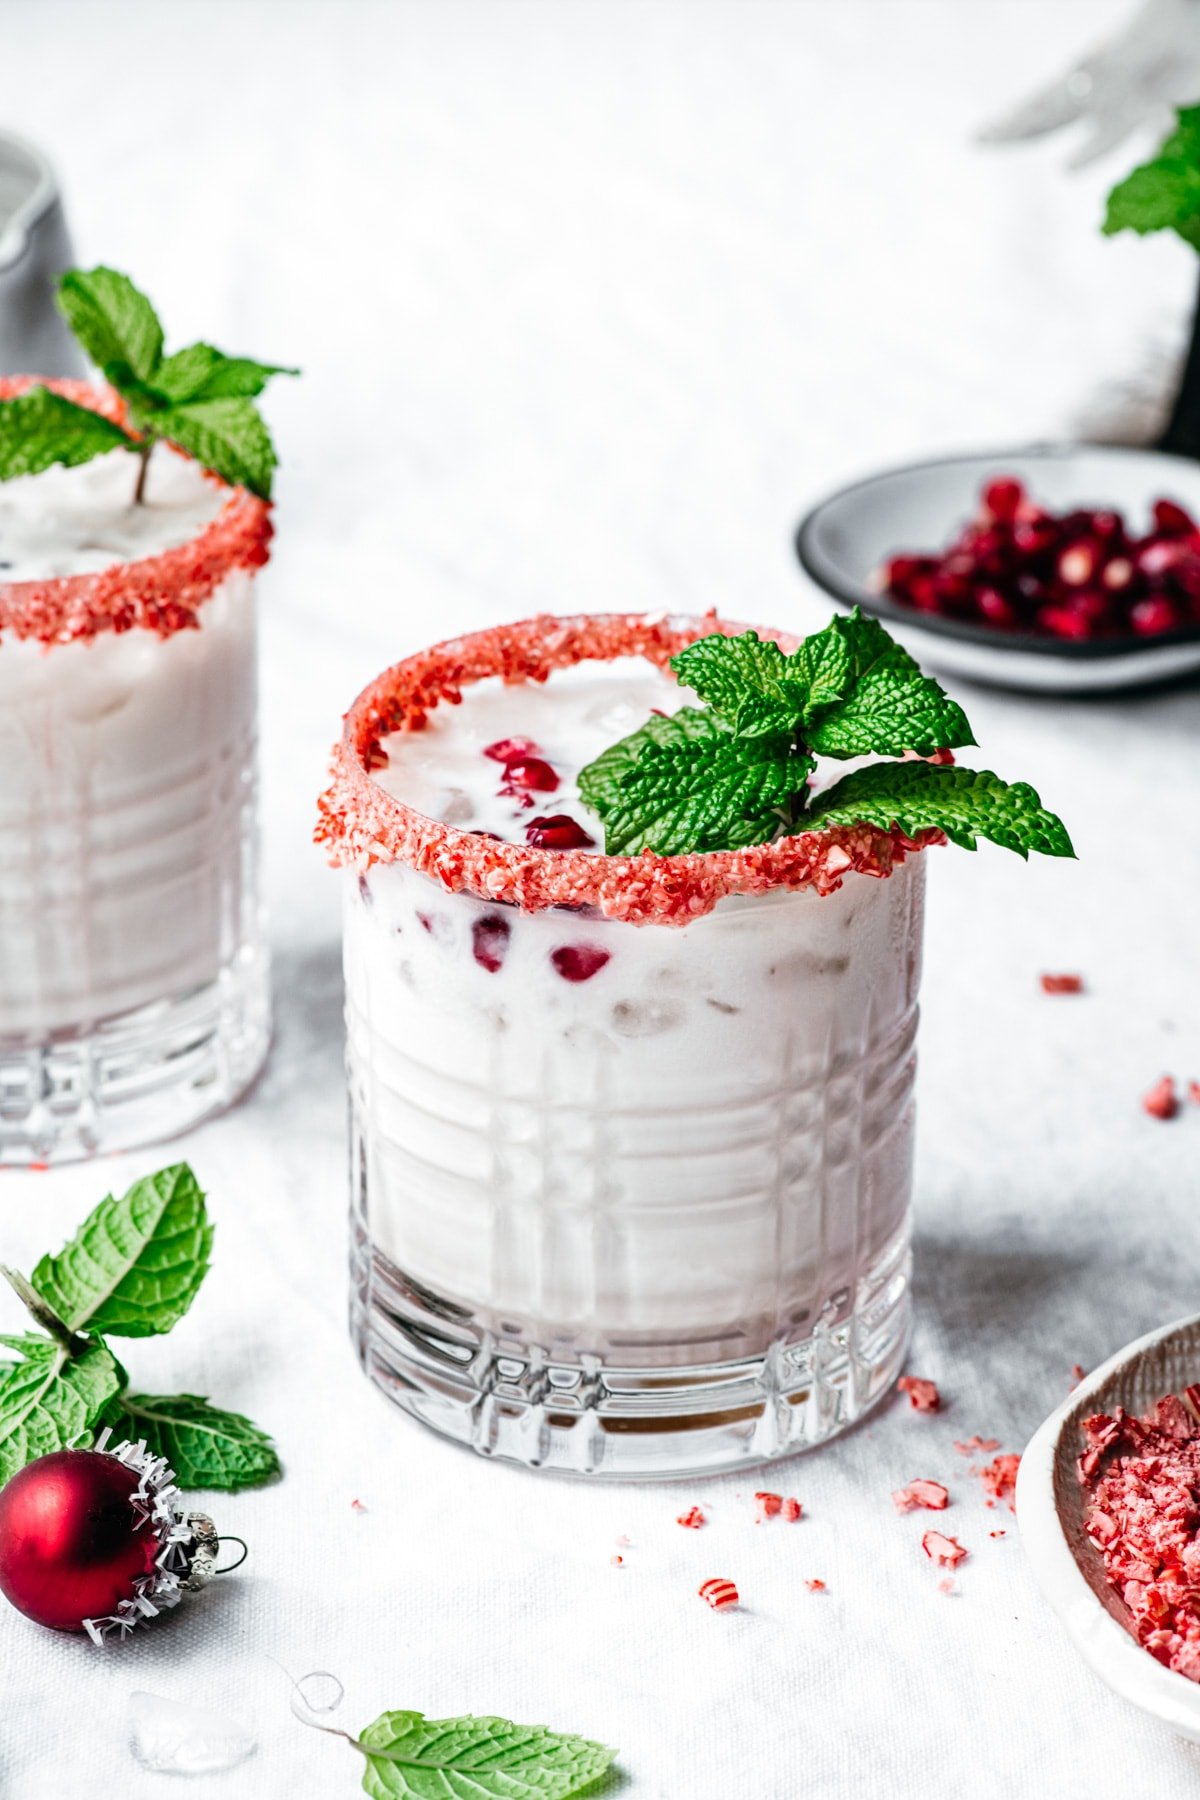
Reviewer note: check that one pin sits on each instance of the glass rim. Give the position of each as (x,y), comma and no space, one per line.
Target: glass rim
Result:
(161,593)
(361,824)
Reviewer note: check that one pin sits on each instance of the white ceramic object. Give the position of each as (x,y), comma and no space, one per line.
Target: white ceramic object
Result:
(1050,1510)
(921,507)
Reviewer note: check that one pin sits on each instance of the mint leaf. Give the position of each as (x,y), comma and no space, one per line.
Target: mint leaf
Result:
(879,701)
(114,322)
(227,436)
(918,796)
(475,1759)
(50,1399)
(1164,193)
(695,790)
(600,781)
(747,681)
(134,1266)
(203,373)
(207,1448)
(39,429)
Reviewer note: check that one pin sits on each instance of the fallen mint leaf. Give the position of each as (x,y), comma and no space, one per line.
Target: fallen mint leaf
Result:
(410,1757)
(39,429)
(50,1400)
(207,1448)
(965,804)
(135,1265)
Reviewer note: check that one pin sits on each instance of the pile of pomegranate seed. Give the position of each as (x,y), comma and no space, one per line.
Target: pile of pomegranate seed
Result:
(1081,574)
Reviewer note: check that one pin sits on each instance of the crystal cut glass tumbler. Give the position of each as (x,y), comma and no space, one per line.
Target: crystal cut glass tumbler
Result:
(133,968)
(629,1197)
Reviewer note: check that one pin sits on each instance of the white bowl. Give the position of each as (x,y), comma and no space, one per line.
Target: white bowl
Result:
(1050,1509)
(920,508)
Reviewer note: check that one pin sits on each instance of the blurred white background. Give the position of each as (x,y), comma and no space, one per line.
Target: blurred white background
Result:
(592,301)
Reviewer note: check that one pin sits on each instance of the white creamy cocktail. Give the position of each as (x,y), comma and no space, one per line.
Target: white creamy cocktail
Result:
(632,1136)
(133,980)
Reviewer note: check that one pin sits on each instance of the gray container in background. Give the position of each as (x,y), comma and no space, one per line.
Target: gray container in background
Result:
(34,250)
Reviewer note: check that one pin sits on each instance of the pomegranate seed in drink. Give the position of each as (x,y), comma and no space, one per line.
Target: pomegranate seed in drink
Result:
(489,941)
(558,832)
(530,772)
(506,750)
(579,962)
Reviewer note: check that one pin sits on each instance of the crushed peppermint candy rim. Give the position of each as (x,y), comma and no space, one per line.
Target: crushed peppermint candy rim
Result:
(155,1499)
(359,823)
(162,593)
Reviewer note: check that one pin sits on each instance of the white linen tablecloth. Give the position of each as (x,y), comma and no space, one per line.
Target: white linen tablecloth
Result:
(592,301)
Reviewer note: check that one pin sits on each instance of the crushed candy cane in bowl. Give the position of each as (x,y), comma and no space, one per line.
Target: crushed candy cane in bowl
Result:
(1106,1502)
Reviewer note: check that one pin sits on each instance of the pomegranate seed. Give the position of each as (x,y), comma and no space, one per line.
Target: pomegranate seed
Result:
(995,608)
(489,941)
(1117,574)
(506,750)
(530,772)
(1158,555)
(1062,984)
(1172,520)
(1077,565)
(719,1592)
(579,962)
(1161,1102)
(1065,622)
(1003,496)
(558,832)
(1149,617)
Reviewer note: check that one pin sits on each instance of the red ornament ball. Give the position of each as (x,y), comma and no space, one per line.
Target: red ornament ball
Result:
(71,1543)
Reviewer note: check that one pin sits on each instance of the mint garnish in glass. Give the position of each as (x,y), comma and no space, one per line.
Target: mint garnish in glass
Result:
(737,770)
(197,398)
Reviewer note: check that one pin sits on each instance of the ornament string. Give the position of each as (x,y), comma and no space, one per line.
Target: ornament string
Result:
(228,1568)
(308,1710)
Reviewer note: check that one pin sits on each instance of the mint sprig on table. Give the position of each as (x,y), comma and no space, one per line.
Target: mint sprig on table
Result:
(410,1756)
(132,1270)
(737,772)
(197,398)
(1163,194)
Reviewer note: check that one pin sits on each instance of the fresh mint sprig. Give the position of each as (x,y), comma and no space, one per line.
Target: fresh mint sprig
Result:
(738,773)
(1163,194)
(198,398)
(132,1270)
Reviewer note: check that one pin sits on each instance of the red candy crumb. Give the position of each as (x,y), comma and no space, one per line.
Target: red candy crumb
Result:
(946,1584)
(578,962)
(719,1592)
(692,1519)
(357,1506)
(970,1445)
(929,1494)
(1144,1522)
(1077,1374)
(618,1562)
(946,1551)
(766,1506)
(1193,1095)
(999,1478)
(997,1534)
(923,1394)
(1062,984)
(792,1510)
(1161,1102)
(815,1586)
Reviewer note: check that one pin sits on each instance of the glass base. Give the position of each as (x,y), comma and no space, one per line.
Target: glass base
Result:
(590,1415)
(139,1076)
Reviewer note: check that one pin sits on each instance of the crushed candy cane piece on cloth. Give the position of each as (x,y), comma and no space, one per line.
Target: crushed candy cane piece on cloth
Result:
(946,1584)
(946,1551)
(970,1445)
(766,1506)
(815,1586)
(1144,1520)
(999,1478)
(692,1519)
(1193,1096)
(719,1592)
(921,1492)
(1161,1102)
(923,1394)
(792,1510)
(1062,984)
